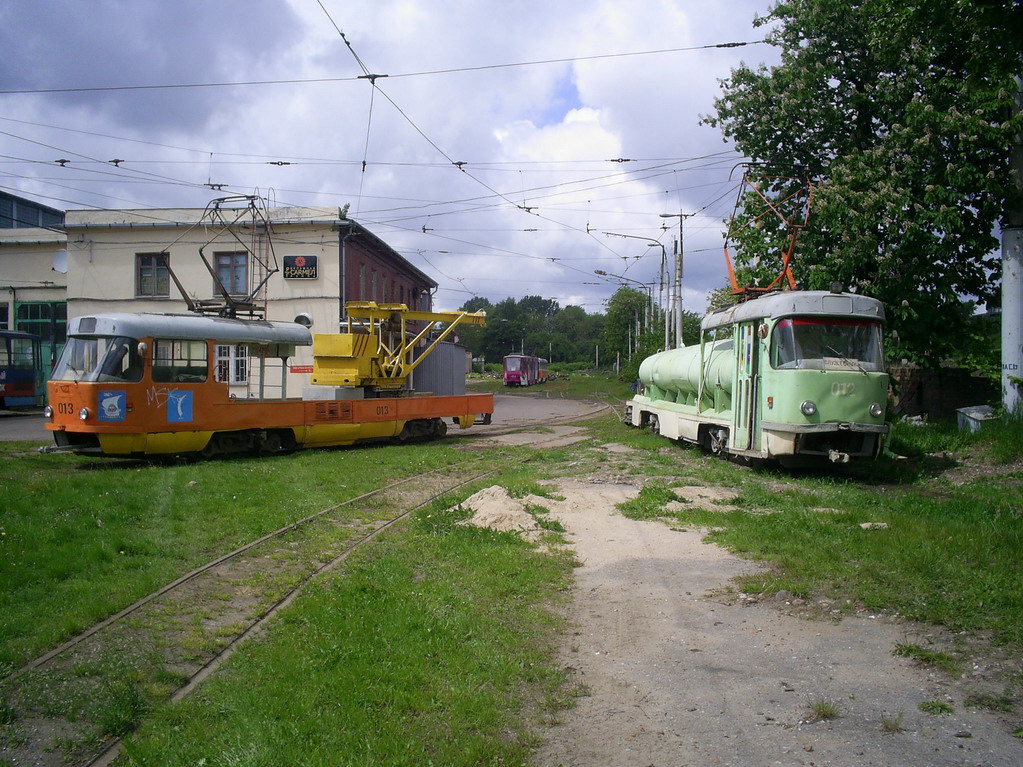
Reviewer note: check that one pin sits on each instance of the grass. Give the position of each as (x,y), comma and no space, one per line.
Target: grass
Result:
(432,647)
(936,707)
(934,658)
(891,725)
(650,502)
(1001,439)
(955,559)
(81,538)
(577,385)
(822,710)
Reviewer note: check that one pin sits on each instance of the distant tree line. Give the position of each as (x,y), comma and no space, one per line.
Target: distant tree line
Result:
(627,332)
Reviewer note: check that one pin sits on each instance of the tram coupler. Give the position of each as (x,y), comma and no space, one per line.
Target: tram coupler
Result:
(836,457)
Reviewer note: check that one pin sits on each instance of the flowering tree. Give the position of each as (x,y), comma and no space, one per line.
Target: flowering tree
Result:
(902,113)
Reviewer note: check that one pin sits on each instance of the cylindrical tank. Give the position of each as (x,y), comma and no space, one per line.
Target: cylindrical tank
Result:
(679,370)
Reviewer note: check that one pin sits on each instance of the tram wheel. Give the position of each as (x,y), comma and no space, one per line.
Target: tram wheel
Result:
(270,443)
(718,441)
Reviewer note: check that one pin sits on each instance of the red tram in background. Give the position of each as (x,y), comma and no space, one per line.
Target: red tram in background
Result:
(524,370)
(20,369)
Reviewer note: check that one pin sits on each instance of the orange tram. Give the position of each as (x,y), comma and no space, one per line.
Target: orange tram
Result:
(159,384)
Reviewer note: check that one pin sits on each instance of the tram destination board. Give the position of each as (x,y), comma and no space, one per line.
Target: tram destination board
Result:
(300,267)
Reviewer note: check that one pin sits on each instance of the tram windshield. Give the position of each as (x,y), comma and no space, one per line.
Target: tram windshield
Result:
(99,359)
(512,364)
(827,343)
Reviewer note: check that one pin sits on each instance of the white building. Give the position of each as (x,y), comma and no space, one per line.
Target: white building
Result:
(279,263)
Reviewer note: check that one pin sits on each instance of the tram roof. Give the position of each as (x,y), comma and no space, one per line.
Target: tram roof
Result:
(190,327)
(798,302)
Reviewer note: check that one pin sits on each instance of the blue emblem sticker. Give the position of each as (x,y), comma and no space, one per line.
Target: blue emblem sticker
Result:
(179,406)
(111,405)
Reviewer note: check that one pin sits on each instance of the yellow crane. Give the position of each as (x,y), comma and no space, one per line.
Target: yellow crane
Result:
(378,347)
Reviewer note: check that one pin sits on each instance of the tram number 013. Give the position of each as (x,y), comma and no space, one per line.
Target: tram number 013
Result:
(383,409)
(65,408)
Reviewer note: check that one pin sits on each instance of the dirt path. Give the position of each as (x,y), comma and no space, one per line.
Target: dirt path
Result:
(675,676)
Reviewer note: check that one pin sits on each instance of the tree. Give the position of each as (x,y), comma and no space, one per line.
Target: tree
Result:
(902,112)
(624,323)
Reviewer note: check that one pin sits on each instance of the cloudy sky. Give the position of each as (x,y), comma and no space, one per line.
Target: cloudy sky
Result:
(507,148)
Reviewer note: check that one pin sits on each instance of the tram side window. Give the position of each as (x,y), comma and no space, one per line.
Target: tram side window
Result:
(180,361)
(22,356)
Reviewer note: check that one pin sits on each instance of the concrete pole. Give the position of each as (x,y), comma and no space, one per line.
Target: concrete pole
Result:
(678,286)
(1012,280)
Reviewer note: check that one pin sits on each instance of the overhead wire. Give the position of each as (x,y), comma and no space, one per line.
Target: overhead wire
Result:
(497,198)
(395,76)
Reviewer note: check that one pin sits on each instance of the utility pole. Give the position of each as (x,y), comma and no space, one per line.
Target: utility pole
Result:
(1012,278)
(679,264)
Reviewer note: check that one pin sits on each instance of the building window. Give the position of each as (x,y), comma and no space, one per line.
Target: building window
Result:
(152,274)
(233,272)
(46,319)
(373,285)
(232,364)
(362,282)
(5,317)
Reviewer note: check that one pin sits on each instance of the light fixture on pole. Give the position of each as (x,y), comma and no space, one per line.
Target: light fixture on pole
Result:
(642,286)
(679,263)
(651,242)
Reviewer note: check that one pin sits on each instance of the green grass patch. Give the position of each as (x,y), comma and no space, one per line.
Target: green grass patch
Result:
(936,707)
(1000,703)
(82,538)
(649,504)
(433,646)
(822,710)
(575,385)
(891,725)
(999,438)
(955,559)
(935,658)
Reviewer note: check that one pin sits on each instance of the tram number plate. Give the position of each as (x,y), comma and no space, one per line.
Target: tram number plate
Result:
(383,409)
(65,408)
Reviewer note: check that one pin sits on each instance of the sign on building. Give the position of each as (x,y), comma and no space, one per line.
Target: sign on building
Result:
(300,267)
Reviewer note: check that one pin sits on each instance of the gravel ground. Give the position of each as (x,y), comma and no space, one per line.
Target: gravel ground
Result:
(674,674)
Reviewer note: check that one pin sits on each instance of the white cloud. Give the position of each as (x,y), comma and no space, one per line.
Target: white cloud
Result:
(544,137)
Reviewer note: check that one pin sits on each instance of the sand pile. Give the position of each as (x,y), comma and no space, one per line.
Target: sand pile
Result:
(493,508)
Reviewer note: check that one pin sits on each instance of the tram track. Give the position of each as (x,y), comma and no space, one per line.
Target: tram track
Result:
(47,657)
(79,649)
(114,748)
(42,660)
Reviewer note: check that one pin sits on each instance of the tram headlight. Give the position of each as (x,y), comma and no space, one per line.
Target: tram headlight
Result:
(83,414)
(876,410)
(808,408)
(48,411)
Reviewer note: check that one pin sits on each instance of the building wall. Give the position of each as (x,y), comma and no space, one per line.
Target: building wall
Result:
(372,277)
(113,267)
(32,292)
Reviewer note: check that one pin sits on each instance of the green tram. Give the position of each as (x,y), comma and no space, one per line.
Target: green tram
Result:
(795,376)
